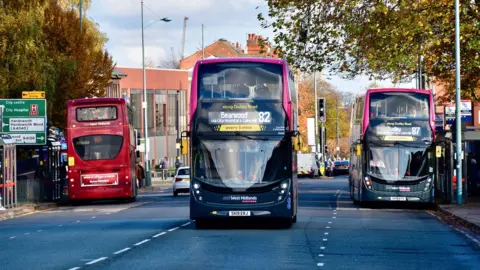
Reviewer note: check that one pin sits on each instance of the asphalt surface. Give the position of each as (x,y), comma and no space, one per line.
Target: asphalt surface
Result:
(156,233)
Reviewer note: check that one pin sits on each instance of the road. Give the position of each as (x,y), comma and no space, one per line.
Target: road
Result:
(155,233)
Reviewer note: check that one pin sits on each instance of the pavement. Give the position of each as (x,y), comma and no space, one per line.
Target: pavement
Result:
(155,233)
(465,215)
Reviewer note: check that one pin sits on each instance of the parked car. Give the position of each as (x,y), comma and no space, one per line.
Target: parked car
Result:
(181,181)
(341,167)
(307,165)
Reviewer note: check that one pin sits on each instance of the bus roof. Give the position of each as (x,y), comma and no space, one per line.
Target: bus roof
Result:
(241,59)
(383,90)
(85,101)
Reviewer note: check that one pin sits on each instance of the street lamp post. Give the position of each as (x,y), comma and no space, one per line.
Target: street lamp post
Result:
(458,117)
(144,105)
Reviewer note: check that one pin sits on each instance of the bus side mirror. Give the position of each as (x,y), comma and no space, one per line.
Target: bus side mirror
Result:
(184,147)
(438,151)
(358,150)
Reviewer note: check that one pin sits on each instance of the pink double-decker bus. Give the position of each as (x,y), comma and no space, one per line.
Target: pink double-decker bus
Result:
(243,136)
(392,146)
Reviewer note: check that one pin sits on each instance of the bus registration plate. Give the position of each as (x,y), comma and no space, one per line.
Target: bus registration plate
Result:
(239,213)
(398,198)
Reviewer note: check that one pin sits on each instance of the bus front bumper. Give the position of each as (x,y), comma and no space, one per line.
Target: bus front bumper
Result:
(394,196)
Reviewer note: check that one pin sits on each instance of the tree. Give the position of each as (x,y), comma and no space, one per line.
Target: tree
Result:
(306,106)
(79,65)
(382,39)
(171,61)
(42,49)
(149,62)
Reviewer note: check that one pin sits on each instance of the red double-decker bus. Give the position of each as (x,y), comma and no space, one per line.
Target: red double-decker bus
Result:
(101,149)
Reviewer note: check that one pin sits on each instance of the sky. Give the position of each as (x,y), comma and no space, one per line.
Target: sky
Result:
(120,20)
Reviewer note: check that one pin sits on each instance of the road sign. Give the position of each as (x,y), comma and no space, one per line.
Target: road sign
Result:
(33,94)
(25,120)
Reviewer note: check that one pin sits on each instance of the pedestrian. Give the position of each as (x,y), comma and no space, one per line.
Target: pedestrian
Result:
(178,163)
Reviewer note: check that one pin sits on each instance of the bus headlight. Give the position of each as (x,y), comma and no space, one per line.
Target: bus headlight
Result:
(368,182)
(284,185)
(196,186)
(427,184)
(283,190)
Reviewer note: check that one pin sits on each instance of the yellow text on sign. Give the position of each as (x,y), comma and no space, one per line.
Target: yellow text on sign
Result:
(226,128)
(33,94)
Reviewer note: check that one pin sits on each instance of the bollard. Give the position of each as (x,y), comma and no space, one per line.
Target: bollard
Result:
(1,206)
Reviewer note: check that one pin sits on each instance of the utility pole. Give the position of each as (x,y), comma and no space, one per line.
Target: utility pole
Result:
(420,86)
(185,19)
(145,113)
(458,118)
(203,49)
(81,15)
(316,112)
(337,146)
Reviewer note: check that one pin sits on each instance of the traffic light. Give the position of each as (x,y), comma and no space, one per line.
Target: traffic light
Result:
(326,148)
(322,111)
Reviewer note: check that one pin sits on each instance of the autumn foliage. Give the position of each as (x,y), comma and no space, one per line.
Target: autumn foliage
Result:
(383,39)
(42,48)
(306,107)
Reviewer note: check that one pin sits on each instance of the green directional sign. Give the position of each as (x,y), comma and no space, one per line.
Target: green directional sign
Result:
(25,120)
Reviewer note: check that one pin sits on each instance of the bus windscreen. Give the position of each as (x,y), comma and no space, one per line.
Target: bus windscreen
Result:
(98,147)
(240,80)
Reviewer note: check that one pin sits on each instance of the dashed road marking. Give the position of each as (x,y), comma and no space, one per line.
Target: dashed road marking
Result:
(60,225)
(39,230)
(321,255)
(74,268)
(27,233)
(186,224)
(78,221)
(334,217)
(96,260)
(142,242)
(328,227)
(325,239)
(326,233)
(320,264)
(322,247)
(160,234)
(107,213)
(121,251)
(329,222)
(93,217)
(11,237)
(173,229)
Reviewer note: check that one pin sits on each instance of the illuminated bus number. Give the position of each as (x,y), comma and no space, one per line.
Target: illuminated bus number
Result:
(415,131)
(264,117)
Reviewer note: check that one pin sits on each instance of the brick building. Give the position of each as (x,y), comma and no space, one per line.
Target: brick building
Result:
(167,101)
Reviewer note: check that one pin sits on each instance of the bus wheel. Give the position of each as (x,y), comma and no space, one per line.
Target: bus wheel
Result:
(175,194)
(287,223)
(294,220)
(201,224)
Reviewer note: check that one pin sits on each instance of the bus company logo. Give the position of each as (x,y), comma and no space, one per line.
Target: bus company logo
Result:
(100,124)
(33,110)
(401,189)
(243,199)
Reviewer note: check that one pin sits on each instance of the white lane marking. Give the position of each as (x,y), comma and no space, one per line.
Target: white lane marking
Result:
(329,222)
(121,251)
(186,224)
(93,217)
(325,239)
(96,260)
(78,221)
(334,213)
(60,225)
(74,268)
(326,233)
(322,247)
(321,255)
(173,229)
(39,230)
(320,264)
(11,237)
(142,242)
(328,227)
(27,233)
(334,217)
(334,210)
(107,213)
(160,234)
